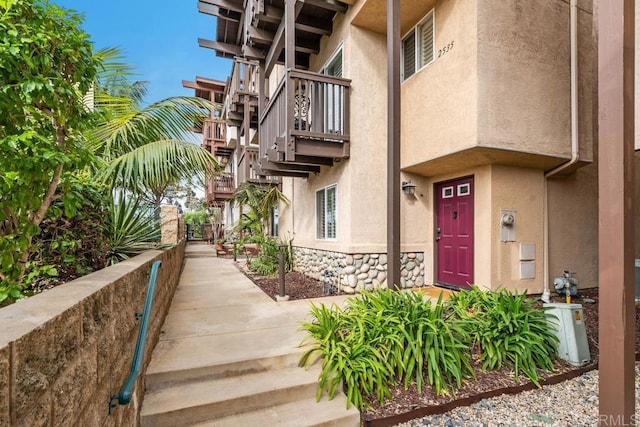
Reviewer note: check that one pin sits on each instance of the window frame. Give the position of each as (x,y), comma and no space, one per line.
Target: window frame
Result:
(339,51)
(335,212)
(430,15)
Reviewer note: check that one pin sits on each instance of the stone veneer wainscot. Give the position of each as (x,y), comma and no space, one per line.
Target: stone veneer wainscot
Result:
(357,272)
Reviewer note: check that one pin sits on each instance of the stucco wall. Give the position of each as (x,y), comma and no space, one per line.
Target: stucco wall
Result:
(65,352)
(524,76)
(439,102)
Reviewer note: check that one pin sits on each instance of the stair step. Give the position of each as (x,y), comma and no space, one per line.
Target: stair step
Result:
(302,413)
(223,355)
(159,380)
(193,402)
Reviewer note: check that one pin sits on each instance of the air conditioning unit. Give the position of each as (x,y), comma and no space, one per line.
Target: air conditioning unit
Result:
(568,325)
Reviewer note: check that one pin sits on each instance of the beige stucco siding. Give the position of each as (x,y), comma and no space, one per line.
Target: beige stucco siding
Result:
(524,77)
(439,102)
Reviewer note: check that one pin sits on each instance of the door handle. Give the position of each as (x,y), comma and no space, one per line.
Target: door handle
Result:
(438,231)
(455,214)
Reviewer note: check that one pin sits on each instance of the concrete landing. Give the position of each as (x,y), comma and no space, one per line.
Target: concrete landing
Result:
(228,354)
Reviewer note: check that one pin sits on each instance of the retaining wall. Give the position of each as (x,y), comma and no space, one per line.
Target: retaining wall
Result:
(65,352)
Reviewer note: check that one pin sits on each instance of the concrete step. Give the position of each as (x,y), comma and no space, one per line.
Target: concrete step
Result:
(302,413)
(214,356)
(161,380)
(194,402)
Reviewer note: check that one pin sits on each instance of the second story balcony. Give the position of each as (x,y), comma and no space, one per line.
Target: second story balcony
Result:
(220,188)
(305,124)
(249,168)
(215,138)
(242,94)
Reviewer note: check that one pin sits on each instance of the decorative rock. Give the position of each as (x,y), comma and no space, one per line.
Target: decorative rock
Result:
(384,285)
(349,260)
(376,283)
(382,276)
(357,256)
(358,263)
(349,270)
(381,268)
(410,265)
(416,272)
(374,256)
(383,259)
(411,255)
(420,282)
(365,258)
(365,268)
(348,290)
(373,273)
(373,262)
(368,280)
(368,287)
(404,272)
(362,276)
(360,285)
(352,280)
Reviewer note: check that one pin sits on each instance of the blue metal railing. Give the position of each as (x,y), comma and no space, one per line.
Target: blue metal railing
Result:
(124,396)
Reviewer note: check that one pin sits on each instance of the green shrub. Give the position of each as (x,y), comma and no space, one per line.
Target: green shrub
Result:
(266,263)
(383,337)
(505,328)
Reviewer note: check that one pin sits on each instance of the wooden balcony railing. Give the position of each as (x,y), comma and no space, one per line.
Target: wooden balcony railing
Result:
(248,168)
(215,137)
(244,77)
(310,108)
(221,187)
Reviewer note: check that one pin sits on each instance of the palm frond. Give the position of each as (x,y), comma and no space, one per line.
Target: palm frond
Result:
(157,163)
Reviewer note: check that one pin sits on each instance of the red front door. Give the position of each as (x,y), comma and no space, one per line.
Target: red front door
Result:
(454,232)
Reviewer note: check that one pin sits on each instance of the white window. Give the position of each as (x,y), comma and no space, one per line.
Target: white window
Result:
(418,46)
(326,213)
(334,65)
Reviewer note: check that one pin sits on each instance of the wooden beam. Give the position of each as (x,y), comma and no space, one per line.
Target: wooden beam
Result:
(274,51)
(393,144)
(225,4)
(315,28)
(208,9)
(228,48)
(333,5)
(259,35)
(616,170)
(252,53)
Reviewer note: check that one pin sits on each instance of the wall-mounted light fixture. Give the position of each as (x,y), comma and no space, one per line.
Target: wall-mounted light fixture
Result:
(408,188)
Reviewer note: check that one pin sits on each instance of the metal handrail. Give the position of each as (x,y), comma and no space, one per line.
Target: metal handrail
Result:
(126,392)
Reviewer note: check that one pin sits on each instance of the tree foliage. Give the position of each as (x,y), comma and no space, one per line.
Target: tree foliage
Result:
(47,67)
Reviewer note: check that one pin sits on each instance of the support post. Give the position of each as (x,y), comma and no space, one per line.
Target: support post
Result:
(616,47)
(393,144)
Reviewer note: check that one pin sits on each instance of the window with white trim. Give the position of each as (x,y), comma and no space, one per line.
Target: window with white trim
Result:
(326,212)
(418,46)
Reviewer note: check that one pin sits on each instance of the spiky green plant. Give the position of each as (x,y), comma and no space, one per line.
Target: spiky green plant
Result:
(507,327)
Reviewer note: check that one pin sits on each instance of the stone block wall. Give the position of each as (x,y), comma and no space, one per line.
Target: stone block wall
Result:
(65,352)
(352,273)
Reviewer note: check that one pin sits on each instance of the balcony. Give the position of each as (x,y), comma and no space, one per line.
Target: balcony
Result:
(249,169)
(215,138)
(305,125)
(242,95)
(221,188)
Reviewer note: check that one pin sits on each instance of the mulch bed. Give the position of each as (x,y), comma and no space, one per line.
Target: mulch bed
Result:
(406,404)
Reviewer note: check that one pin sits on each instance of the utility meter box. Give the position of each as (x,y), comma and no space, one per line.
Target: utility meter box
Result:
(568,325)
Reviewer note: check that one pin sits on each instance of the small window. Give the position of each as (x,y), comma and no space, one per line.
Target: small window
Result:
(334,65)
(447,192)
(464,189)
(418,47)
(326,213)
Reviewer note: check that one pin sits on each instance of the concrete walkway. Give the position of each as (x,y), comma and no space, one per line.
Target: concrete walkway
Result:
(227,350)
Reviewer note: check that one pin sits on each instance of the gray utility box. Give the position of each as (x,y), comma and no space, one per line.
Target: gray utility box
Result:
(569,328)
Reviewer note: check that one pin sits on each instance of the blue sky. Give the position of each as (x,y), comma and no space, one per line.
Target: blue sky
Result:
(159,38)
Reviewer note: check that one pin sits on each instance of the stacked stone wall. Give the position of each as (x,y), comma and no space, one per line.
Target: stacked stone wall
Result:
(352,273)
(65,352)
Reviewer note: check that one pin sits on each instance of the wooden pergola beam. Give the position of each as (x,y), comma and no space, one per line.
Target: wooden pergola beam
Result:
(231,49)
(616,169)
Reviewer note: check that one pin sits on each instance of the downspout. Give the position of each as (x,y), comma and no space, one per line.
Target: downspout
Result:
(574,144)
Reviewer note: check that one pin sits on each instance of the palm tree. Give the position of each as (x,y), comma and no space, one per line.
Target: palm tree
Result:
(143,148)
(261,200)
